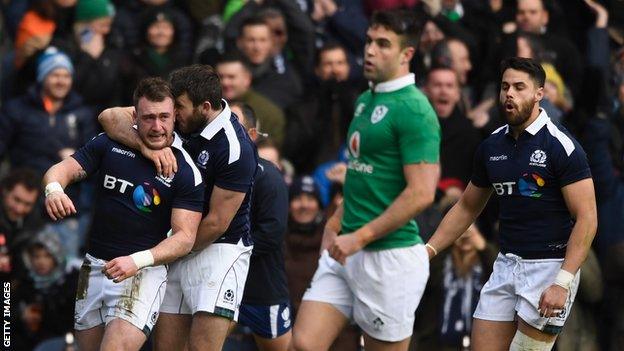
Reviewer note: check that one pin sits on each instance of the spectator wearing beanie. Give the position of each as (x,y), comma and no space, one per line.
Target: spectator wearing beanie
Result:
(96,60)
(45,294)
(50,121)
(306,222)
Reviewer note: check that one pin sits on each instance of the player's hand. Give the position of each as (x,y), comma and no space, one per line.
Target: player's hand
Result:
(602,15)
(337,173)
(328,240)
(344,246)
(164,160)
(552,301)
(120,268)
(59,205)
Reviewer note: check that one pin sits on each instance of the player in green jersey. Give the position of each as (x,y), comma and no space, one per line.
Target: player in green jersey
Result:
(374,268)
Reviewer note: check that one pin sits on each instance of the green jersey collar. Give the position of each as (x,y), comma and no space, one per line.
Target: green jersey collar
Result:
(394,85)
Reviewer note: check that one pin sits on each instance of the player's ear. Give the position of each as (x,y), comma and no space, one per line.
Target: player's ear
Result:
(206,107)
(134,116)
(407,54)
(539,94)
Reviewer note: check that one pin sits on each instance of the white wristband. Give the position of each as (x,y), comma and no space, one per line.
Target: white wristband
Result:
(435,252)
(143,258)
(564,279)
(53,188)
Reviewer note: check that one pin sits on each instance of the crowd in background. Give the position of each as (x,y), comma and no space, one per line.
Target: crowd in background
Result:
(298,65)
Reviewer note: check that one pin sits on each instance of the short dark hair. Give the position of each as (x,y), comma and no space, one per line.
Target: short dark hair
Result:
(153,89)
(329,46)
(441,68)
(249,116)
(24,176)
(200,82)
(530,66)
(270,13)
(407,24)
(252,21)
(235,57)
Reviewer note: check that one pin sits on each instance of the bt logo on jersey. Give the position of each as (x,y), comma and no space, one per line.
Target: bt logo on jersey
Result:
(110,182)
(505,188)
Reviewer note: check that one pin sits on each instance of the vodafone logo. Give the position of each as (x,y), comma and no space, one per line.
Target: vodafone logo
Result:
(354,144)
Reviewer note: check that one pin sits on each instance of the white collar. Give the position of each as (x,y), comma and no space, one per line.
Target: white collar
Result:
(177,142)
(393,85)
(539,122)
(218,123)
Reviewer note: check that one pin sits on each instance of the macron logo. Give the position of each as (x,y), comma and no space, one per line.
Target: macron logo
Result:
(498,158)
(123,152)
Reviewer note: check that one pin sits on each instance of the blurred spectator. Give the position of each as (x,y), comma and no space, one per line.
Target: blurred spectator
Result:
(303,242)
(292,32)
(326,111)
(50,122)
(303,238)
(157,54)
(273,78)
(19,217)
(128,29)
(235,76)
(43,21)
(97,62)
(460,138)
(533,17)
(45,294)
(342,21)
(454,53)
(444,317)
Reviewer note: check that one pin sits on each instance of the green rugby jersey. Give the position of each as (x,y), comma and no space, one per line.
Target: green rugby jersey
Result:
(392,126)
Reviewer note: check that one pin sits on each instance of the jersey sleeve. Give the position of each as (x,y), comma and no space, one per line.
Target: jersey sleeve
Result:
(90,155)
(571,168)
(189,193)
(418,132)
(479,172)
(237,175)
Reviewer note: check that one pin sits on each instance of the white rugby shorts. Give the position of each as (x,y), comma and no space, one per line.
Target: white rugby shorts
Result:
(379,290)
(516,286)
(212,280)
(136,300)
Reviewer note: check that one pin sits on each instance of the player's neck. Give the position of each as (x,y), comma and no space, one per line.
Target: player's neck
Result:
(213,115)
(517,130)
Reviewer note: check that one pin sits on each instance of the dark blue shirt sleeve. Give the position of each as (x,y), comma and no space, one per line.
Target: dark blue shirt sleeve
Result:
(187,196)
(238,175)
(571,168)
(90,155)
(479,173)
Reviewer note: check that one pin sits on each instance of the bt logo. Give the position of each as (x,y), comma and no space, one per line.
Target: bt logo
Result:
(505,188)
(110,182)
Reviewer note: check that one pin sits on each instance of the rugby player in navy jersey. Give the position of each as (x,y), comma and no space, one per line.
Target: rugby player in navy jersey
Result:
(204,290)
(265,307)
(547,218)
(123,278)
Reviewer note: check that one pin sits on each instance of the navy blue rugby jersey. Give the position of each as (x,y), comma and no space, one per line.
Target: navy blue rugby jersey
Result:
(132,203)
(527,175)
(226,158)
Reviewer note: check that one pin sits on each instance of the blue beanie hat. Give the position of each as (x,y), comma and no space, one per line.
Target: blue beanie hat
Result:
(50,60)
